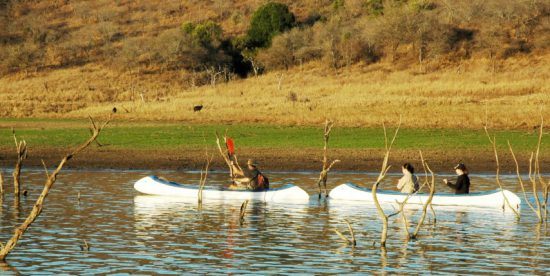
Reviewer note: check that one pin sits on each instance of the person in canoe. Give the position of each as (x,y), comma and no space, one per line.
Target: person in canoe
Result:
(462,184)
(251,178)
(408,184)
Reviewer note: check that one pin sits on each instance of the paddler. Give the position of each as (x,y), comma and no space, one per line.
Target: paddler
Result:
(252,178)
(408,184)
(462,185)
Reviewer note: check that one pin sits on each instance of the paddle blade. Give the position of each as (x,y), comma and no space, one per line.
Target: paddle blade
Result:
(230,146)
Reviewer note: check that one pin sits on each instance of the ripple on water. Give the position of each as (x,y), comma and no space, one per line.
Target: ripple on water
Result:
(133,234)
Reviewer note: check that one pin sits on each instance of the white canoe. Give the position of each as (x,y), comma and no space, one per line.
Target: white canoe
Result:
(352,192)
(154,185)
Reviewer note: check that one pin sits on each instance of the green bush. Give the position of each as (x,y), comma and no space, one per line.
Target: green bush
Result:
(208,34)
(269,20)
(374,7)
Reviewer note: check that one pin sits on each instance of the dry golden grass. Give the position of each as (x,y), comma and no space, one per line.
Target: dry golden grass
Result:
(455,97)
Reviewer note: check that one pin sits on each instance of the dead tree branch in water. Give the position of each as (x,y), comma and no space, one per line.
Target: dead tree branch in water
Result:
(497,176)
(431,185)
(541,208)
(383,171)
(21,147)
(204,174)
(520,180)
(37,208)
(234,168)
(353,241)
(544,184)
(1,183)
(243,211)
(323,176)
(427,182)
(428,202)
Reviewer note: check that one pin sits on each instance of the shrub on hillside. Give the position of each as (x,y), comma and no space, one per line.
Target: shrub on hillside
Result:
(19,57)
(338,44)
(408,25)
(269,20)
(193,47)
(344,44)
(289,49)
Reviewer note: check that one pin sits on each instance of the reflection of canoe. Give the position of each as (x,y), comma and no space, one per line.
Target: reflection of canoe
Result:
(351,192)
(154,185)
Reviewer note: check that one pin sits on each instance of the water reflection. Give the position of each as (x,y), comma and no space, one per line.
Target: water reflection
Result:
(131,233)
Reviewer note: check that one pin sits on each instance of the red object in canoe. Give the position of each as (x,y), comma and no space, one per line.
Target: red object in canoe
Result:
(230,146)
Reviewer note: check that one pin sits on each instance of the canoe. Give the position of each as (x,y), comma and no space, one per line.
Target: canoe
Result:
(495,198)
(154,185)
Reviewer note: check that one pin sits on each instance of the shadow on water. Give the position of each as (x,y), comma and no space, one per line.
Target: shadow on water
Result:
(132,233)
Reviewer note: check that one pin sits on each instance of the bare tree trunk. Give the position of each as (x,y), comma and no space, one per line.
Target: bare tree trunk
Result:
(535,189)
(204,175)
(543,205)
(21,147)
(520,180)
(351,241)
(280,81)
(323,176)
(37,209)
(1,184)
(381,176)
(427,203)
(254,67)
(234,167)
(242,213)
(497,177)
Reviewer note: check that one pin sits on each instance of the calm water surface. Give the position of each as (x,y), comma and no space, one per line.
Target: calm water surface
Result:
(132,233)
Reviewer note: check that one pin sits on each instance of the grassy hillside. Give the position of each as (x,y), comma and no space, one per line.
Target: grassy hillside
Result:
(358,96)
(439,64)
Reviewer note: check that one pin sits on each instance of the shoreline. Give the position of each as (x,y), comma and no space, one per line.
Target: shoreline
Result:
(272,159)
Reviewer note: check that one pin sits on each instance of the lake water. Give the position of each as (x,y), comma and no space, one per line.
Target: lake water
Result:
(132,233)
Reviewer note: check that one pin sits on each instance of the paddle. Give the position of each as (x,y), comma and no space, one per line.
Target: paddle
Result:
(230,146)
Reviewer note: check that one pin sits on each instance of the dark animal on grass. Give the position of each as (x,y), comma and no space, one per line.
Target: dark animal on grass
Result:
(197,108)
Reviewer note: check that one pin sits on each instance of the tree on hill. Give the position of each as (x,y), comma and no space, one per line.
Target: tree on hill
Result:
(269,20)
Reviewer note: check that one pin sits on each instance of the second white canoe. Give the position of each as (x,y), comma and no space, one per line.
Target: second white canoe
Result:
(352,192)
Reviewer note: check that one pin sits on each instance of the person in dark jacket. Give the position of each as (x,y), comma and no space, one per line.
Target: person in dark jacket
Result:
(253,179)
(462,185)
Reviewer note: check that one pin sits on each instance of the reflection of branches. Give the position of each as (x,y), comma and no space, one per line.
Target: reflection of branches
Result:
(383,171)
(4,266)
(383,257)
